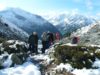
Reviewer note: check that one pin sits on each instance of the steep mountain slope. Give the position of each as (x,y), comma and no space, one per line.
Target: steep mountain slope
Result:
(11,31)
(89,34)
(67,23)
(28,22)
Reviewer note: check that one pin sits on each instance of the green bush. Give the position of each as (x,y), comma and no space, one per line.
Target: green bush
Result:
(16,59)
(97,54)
(17,49)
(77,56)
(2,40)
(21,48)
(10,50)
(6,44)
(1,67)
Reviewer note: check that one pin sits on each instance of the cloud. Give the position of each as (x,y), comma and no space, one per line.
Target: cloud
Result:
(98,14)
(54,14)
(2,6)
(89,4)
(77,1)
(75,11)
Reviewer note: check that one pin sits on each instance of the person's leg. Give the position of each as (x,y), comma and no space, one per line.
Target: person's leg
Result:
(33,48)
(47,44)
(36,49)
(43,46)
(30,47)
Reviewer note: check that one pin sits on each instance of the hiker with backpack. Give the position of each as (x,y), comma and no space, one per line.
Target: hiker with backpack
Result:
(50,37)
(33,42)
(47,40)
(44,41)
(57,37)
(75,40)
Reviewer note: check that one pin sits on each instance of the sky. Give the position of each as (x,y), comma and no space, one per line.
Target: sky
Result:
(89,7)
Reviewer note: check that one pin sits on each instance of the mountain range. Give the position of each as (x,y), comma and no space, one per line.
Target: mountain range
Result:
(68,23)
(26,22)
(9,30)
(19,24)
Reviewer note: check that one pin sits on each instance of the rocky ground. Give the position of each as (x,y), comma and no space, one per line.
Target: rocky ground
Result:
(59,59)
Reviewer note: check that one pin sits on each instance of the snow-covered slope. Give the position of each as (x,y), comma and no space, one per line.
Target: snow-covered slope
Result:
(27,21)
(26,69)
(11,31)
(89,34)
(67,23)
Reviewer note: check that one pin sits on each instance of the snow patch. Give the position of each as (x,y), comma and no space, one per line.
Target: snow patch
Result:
(86,72)
(96,63)
(25,69)
(62,66)
(69,44)
(43,57)
(8,62)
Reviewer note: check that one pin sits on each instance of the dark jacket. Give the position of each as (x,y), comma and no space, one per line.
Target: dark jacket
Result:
(50,37)
(75,40)
(33,39)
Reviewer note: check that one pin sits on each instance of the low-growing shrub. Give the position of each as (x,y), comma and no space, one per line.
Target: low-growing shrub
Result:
(77,56)
(97,54)
(21,48)
(16,59)
(6,44)
(2,40)
(10,50)
(14,48)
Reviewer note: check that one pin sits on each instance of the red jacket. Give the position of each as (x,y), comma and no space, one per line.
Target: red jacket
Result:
(57,36)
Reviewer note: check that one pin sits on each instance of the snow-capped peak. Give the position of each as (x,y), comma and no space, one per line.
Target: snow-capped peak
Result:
(83,30)
(27,22)
(18,13)
(67,23)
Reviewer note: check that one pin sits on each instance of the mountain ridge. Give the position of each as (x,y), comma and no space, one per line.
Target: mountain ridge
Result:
(28,22)
(67,23)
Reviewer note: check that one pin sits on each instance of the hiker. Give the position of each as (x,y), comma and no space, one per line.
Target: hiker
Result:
(33,42)
(57,36)
(75,40)
(50,38)
(44,41)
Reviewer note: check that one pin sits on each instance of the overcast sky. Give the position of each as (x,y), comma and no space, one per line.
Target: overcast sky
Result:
(91,7)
